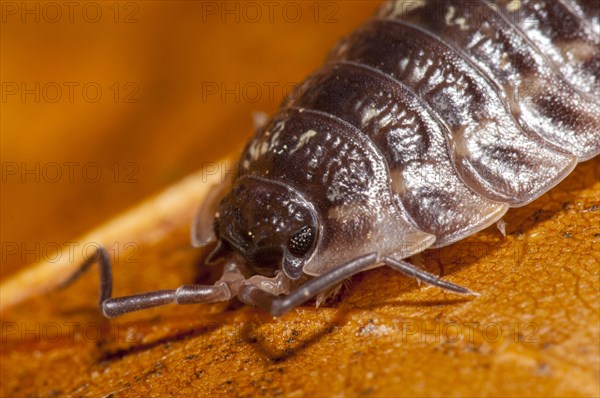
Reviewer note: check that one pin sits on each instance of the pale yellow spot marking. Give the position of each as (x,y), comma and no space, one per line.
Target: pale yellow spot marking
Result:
(303,140)
(450,14)
(514,5)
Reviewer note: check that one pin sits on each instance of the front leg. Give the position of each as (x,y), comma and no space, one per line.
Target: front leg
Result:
(254,295)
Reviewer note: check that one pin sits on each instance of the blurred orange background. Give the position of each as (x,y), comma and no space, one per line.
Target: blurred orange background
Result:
(106,103)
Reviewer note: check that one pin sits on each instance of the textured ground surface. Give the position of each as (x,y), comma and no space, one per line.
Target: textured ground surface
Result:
(534,330)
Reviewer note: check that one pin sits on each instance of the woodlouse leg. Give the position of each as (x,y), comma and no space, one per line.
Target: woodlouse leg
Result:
(253,295)
(410,270)
(186,294)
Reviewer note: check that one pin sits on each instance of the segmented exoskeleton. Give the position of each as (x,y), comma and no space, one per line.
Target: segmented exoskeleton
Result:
(425,125)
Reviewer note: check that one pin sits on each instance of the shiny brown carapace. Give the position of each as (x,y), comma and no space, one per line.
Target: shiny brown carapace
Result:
(424,126)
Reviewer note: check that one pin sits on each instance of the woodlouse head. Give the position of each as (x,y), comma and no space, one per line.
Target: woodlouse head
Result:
(269,223)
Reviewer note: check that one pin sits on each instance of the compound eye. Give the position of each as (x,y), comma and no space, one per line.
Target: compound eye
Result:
(300,243)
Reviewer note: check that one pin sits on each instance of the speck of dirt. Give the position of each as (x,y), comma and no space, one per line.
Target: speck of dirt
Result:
(542,215)
(517,232)
(157,370)
(544,369)
(367,329)
(470,347)
(367,391)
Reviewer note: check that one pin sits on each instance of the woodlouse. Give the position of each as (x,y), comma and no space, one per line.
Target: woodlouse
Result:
(425,125)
